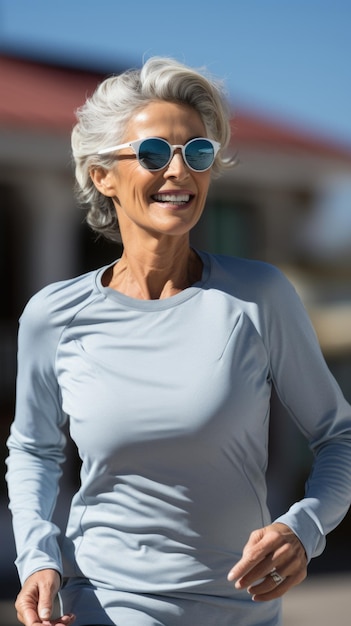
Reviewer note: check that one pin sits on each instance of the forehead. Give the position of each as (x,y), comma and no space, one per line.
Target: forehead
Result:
(165,119)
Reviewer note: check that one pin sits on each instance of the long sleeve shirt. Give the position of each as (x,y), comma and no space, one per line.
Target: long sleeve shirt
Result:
(168,402)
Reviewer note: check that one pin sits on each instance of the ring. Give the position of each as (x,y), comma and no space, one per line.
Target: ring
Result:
(278,579)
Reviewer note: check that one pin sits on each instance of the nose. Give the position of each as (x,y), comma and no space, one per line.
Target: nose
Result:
(177,167)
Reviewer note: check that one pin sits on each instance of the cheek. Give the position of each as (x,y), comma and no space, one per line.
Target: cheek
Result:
(131,189)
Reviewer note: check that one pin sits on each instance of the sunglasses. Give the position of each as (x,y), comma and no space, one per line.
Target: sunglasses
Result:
(155,153)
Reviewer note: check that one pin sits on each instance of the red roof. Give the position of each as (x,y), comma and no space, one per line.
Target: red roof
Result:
(37,95)
(252,129)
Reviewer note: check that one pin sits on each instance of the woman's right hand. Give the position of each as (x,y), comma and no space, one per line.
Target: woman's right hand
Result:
(35,601)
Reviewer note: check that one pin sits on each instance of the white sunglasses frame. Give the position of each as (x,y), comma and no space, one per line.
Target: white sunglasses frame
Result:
(135,145)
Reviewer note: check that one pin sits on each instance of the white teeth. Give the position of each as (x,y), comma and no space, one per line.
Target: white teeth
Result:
(169,197)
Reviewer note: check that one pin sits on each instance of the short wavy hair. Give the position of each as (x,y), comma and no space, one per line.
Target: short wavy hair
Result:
(103,119)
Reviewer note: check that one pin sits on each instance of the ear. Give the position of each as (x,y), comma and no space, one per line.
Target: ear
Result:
(103,181)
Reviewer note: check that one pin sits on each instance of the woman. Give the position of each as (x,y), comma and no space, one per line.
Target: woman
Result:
(163,364)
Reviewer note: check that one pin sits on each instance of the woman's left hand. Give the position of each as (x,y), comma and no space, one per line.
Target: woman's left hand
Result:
(273,561)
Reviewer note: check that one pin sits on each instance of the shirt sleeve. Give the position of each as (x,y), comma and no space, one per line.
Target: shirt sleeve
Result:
(315,402)
(36,443)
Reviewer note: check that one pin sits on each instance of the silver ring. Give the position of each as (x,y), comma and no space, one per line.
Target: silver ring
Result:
(278,579)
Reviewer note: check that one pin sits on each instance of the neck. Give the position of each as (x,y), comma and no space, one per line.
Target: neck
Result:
(157,272)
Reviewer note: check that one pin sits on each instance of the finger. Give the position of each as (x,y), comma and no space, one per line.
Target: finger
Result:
(27,610)
(261,595)
(53,614)
(277,582)
(256,575)
(256,566)
(277,561)
(65,620)
(253,553)
(269,590)
(44,612)
(57,619)
(48,589)
(267,583)
(46,602)
(28,617)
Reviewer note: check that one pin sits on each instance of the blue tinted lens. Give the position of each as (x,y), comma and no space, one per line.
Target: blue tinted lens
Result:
(154,154)
(199,154)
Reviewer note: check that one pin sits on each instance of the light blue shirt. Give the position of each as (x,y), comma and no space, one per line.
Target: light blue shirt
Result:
(168,402)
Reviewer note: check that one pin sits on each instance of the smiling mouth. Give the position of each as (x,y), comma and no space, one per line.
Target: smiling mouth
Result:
(180,199)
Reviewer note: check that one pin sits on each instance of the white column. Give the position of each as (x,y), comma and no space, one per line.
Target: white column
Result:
(51,229)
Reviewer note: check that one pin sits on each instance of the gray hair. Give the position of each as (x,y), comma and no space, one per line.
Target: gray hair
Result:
(102,121)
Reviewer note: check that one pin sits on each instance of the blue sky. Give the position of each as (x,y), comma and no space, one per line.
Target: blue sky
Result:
(288,58)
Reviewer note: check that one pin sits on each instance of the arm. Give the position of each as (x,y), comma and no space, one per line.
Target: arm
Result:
(36,445)
(315,402)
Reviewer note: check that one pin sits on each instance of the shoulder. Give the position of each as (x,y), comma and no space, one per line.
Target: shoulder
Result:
(55,305)
(247,279)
